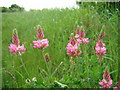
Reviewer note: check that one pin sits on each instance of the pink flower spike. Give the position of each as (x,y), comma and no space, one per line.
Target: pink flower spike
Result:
(76,36)
(81,33)
(100,44)
(16,50)
(103,51)
(101,35)
(106,75)
(79,41)
(85,40)
(73,50)
(40,34)
(41,43)
(45,42)
(73,41)
(13,49)
(15,38)
(110,82)
(105,84)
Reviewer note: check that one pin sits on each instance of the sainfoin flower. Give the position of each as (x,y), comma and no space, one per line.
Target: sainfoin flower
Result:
(15,48)
(39,34)
(105,84)
(73,50)
(106,75)
(15,38)
(107,81)
(79,35)
(72,47)
(41,43)
(100,48)
(83,41)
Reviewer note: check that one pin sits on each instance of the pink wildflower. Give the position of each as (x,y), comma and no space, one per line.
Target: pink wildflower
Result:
(80,33)
(79,41)
(100,50)
(40,34)
(107,81)
(83,41)
(41,43)
(101,35)
(106,75)
(72,40)
(106,84)
(100,44)
(13,48)
(16,50)
(15,38)
(21,48)
(73,50)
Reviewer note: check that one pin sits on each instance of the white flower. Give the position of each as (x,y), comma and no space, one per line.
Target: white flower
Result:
(34,79)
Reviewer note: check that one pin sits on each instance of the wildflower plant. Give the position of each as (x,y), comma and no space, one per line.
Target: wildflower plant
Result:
(107,81)
(100,47)
(79,35)
(73,47)
(15,48)
(41,43)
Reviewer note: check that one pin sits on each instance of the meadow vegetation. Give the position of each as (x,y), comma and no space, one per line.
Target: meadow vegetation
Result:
(57,25)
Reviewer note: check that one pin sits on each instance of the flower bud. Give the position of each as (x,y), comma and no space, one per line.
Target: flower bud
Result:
(15,38)
(47,57)
(106,75)
(81,33)
(39,34)
(101,35)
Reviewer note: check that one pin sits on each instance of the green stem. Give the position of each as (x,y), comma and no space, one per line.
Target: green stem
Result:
(48,69)
(86,62)
(24,66)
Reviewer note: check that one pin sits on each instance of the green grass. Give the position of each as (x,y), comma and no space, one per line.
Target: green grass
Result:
(57,25)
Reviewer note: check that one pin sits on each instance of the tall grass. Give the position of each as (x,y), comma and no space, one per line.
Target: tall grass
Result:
(57,25)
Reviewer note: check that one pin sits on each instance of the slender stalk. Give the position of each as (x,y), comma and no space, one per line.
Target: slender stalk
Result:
(48,69)
(24,66)
(86,62)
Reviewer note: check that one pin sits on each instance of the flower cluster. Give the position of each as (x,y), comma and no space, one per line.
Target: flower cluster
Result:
(107,81)
(100,48)
(41,43)
(72,47)
(15,48)
(79,35)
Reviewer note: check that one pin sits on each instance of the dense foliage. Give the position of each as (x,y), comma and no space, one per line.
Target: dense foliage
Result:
(57,25)
(13,8)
